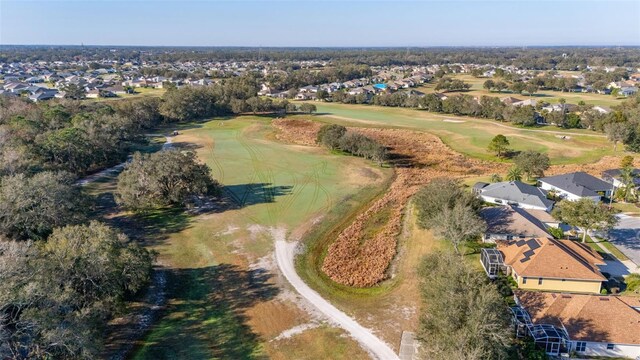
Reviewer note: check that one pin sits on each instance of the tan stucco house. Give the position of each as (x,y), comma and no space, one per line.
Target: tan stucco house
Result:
(552,265)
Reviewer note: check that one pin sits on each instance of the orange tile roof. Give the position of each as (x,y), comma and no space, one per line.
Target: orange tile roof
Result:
(549,258)
(597,318)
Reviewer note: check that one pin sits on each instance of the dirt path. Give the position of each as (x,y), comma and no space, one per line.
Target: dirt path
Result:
(118,168)
(285,253)
(139,320)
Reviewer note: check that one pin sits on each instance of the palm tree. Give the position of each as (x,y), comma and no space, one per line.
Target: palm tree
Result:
(514,174)
(627,177)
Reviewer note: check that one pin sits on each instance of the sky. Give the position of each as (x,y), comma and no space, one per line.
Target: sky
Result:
(320,23)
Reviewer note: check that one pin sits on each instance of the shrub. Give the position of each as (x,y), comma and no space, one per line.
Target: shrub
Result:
(557,233)
(162,179)
(330,135)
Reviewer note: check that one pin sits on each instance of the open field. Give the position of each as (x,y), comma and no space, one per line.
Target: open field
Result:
(470,136)
(549,96)
(224,297)
(353,238)
(139,93)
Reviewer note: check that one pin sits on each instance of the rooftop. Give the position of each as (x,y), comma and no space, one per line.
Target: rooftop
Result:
(550,258)
(508,220)
(578,183)
(610,319)
(517,192)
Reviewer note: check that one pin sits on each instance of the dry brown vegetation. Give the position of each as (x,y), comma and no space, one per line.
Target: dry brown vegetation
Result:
(361,254)
(301,132)
(595,169)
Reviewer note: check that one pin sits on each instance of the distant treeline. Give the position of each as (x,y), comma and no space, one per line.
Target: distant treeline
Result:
(544,58)
(80,137)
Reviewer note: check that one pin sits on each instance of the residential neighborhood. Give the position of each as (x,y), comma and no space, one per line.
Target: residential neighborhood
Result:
(319,180)
(566,298)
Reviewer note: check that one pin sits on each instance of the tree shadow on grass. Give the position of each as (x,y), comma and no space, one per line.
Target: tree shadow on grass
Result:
(149,227)
(255,193)
(205,316)
(156,225)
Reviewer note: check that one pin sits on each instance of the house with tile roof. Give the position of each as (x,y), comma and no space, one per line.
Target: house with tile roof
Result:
(552,265)
(576,186)
(514,193)
(594,325)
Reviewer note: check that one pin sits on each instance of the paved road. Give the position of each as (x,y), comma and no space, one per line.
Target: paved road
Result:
(285,253)
(626,236)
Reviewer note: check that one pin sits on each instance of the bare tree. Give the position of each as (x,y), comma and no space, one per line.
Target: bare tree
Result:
(616,132)
(464,316)
(458,224)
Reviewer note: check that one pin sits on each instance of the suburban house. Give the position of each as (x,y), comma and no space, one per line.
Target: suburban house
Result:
(564,108)
(506,223)
(589,325)
(602,109)
(514,193)
(510,100)
(528,102)
(549,264)
(627,90)
(543,217)
(577,185)
(613,176)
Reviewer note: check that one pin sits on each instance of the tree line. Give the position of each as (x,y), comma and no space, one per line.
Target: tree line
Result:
(560,58)
(621,125)
(63,274)
(336,137)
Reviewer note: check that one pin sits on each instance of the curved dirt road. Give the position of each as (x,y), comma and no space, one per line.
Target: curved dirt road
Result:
(285,253)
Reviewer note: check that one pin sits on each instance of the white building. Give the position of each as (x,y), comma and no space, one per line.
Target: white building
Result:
(576,186)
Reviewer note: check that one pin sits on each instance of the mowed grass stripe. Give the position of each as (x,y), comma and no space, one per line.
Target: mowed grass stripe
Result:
(209,258)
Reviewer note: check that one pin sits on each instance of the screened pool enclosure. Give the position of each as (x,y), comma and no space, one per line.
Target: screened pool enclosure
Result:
(492,262)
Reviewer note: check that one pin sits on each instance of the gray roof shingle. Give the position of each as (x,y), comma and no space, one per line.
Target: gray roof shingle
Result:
(578,183)
(517,192)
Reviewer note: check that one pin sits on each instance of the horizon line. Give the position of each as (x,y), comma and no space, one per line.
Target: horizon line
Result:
(331,46)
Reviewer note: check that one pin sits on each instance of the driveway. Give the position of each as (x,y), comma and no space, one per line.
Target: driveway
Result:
(626,237)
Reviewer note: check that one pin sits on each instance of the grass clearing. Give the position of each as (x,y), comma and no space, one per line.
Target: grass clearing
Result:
(472,137)
(549,96)
(627,208)
(139,93)
(223,300)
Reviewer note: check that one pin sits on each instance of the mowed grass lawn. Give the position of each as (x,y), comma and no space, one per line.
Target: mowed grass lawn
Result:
(471,136)
(139,93)
(549,96)
(223,299)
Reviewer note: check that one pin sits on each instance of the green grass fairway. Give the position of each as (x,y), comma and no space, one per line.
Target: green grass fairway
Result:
(139,93)
(221,277)
(549,96)
(471,136)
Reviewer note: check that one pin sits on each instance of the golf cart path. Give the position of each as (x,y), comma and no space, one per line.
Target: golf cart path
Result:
(116,169)
(156,292)
(285,253)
